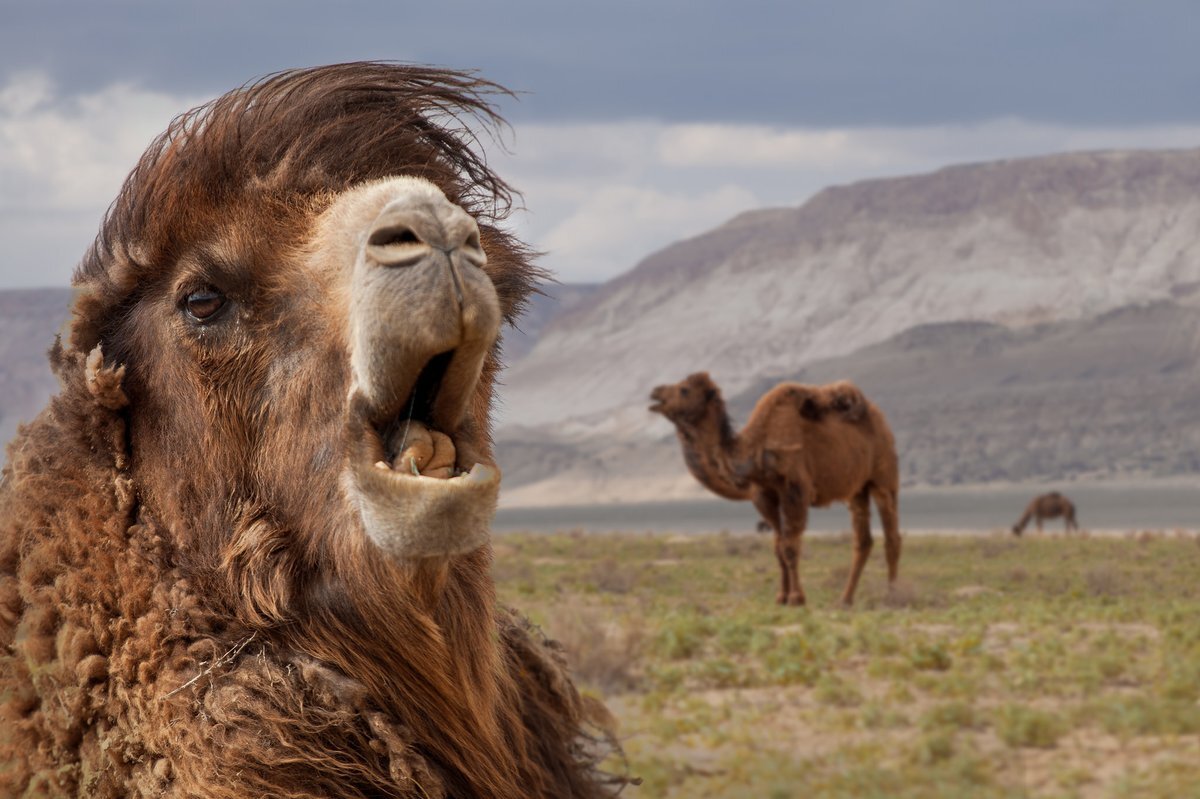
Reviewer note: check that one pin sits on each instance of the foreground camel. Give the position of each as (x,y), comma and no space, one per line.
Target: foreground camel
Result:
(804,446)
(245,551)
(1047,506)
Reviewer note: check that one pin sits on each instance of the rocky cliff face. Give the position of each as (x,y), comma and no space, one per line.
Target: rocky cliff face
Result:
(1015,243)
(552,301)
(1113,396)
(1016,320)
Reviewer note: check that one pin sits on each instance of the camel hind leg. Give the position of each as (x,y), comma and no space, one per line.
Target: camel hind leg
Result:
(860,519)
(887,502)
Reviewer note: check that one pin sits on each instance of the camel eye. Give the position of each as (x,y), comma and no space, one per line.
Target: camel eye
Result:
(684,391)
(204,304)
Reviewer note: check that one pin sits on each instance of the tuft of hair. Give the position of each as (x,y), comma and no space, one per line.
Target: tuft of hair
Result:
(846,399)
(297,137)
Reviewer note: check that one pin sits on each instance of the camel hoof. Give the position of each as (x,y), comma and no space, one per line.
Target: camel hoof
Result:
(781,599)
(796,600)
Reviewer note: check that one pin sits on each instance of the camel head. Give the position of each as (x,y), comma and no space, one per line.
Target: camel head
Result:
(304,283)
(687,401)
(423,316)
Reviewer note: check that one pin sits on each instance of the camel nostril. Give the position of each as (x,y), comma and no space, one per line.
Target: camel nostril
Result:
(468,244)
(394,236)
(396,244)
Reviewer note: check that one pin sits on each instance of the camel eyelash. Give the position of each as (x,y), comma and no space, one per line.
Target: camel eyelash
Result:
(204,304)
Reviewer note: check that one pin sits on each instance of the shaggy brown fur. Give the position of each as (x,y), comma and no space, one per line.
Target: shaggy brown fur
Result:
(803,446)
(1047,506)
(188,603)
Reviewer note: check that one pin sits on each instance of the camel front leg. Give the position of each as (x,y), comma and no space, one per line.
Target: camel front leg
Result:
(795,519)
(785,573)
(860,518)
(766,502)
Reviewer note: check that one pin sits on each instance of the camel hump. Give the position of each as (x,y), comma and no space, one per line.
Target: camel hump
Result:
(846,399)
(807,400)
(815,403)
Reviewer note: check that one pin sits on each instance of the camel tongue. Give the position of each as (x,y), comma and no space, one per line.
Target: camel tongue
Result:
(420,450)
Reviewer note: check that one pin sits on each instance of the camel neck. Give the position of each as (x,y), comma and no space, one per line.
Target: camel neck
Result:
(707,446)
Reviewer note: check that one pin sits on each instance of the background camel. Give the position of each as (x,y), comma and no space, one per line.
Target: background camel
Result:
(803,446)
(1047,506)
(245,550)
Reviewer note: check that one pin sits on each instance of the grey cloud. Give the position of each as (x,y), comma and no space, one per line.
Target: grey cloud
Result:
(894,62)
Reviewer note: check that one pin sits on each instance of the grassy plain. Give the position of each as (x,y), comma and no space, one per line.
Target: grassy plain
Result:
(999,667)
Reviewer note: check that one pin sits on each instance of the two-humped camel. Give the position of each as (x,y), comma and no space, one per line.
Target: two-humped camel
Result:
(246,549)
(803,446)
(1047,506)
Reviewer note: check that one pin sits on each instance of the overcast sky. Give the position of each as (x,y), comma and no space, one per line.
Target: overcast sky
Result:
(639,122)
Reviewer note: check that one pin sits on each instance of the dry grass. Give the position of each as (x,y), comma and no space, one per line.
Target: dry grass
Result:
(1105,580)
(612,577)
(997,667)
(604,653)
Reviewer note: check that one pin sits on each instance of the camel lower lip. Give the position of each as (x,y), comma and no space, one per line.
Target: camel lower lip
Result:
(478,474)
(413,516)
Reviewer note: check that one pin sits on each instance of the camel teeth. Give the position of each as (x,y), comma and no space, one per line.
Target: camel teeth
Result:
(382,465)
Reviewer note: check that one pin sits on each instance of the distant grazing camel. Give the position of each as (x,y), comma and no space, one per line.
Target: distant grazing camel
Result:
(1048,506)
(803,446)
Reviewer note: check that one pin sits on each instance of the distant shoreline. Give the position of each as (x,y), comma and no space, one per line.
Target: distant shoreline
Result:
(1106,507)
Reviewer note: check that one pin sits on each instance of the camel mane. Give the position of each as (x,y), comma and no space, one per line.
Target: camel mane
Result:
(301,133)
(716,401)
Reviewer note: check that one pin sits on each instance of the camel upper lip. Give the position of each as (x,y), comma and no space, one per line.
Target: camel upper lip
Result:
(420,402)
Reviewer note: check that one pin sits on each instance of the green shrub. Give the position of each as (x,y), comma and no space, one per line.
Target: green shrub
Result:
(930,656)
(1022,726)
(832,690)
(935,747)
(681,635)
(951,714)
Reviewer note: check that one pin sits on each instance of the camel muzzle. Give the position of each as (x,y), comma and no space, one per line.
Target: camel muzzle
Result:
(658,399)
(424,316)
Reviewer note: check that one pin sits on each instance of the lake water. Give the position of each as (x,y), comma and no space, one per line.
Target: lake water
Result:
(1098,507)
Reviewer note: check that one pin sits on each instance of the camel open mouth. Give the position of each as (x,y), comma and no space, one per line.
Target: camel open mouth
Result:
(424,483)
(659,403)
(423,435)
